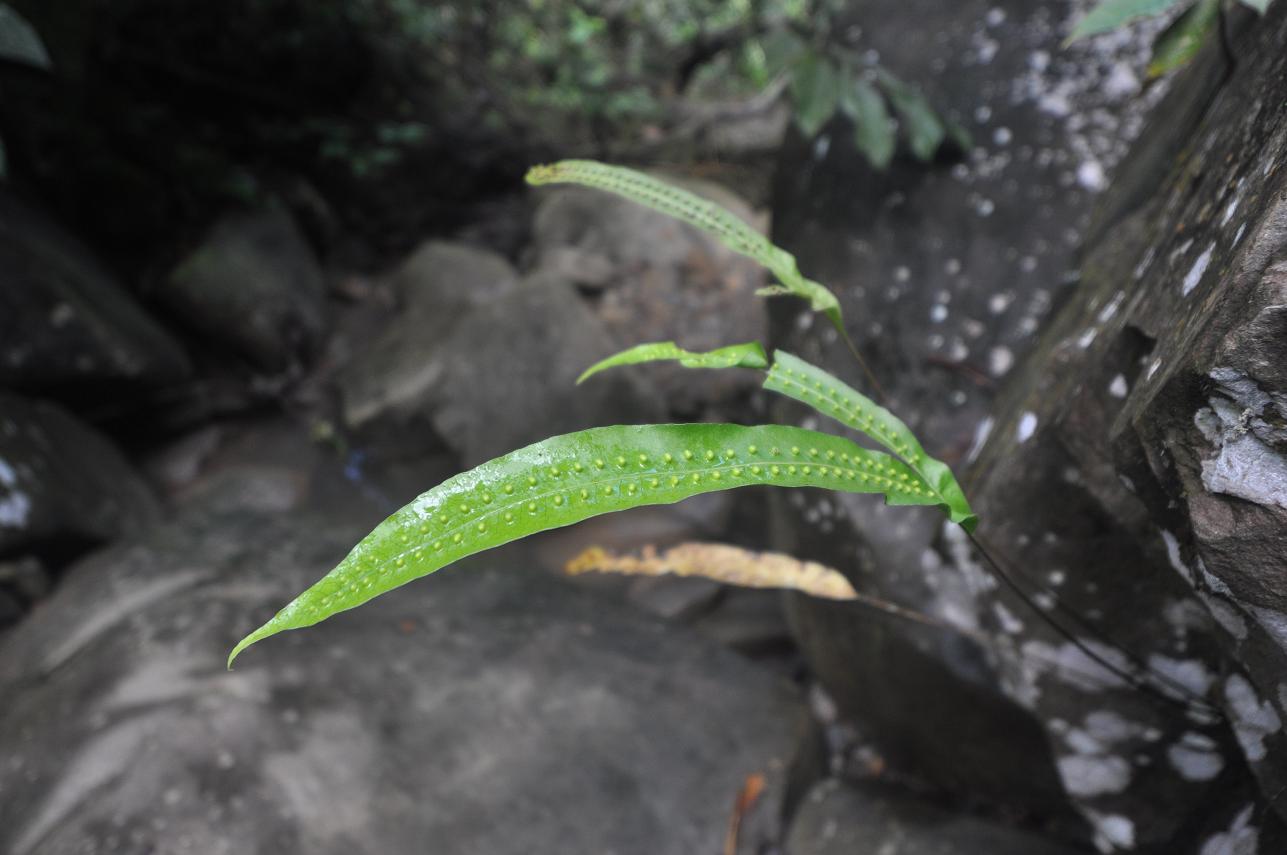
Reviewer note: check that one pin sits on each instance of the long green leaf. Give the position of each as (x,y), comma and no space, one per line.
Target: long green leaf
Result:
(699,212)
(1181,41)
(1111,14)
(808,384)
(569,478)
(749,355)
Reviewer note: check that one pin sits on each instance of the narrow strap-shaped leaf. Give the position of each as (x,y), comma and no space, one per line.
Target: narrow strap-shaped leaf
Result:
(569,478)
(748,355)
(808,384)
(696,211)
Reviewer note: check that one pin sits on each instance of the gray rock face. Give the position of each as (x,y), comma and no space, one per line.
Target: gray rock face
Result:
(868,819)
(496,376)
(484,710)
(1136,466)
(62,484)
(254,287)
(441,276)
(657,279)
(1130,474)
(63,319)
(944,272)
(388,386)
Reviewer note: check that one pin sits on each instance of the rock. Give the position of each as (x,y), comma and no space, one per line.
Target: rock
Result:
(944,272)
(63,486)
(1136,466)
(657,279)
(386,355)
(869,819)
(496,378)
(23,582)
(440,276)
(488,709)
(254,287)
(64,320)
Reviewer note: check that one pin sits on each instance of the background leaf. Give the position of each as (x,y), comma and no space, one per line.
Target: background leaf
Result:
(925,130)
(749,355)
(815,90)
(1260,6)
(569,478)
(1111,14)
(874,130)
(1181,41)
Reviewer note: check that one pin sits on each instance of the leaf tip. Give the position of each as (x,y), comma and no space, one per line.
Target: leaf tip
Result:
(542,173)
(258,635)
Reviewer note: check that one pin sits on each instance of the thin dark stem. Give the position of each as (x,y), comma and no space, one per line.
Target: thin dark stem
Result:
(862,363)
(1143,678)
(1139,678)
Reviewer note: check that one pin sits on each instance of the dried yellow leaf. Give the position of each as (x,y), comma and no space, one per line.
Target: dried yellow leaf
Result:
(722,563)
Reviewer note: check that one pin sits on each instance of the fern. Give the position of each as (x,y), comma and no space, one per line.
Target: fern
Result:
(569,478)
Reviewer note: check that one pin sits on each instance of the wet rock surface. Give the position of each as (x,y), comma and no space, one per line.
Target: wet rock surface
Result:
(855,819)
(64,320)
(490,709)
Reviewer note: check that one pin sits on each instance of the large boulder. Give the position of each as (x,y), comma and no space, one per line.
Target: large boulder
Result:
(64,320)
(1137,466)
(254,287)
(63,486)
(656,279)
(944,271)
(1129,478)
(490,708)
(491,377)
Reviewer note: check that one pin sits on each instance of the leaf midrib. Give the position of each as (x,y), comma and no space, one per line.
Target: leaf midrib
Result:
(616,479)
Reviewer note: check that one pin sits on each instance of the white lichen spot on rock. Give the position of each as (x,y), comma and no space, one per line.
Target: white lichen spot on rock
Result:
(1112,831)
(1253,719)
(1091,775)
(981,433)
(1199,268)
(1000,360)
(1195,757)
(1173,555)
(1026,428)
(1192,674)
(1242,838)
